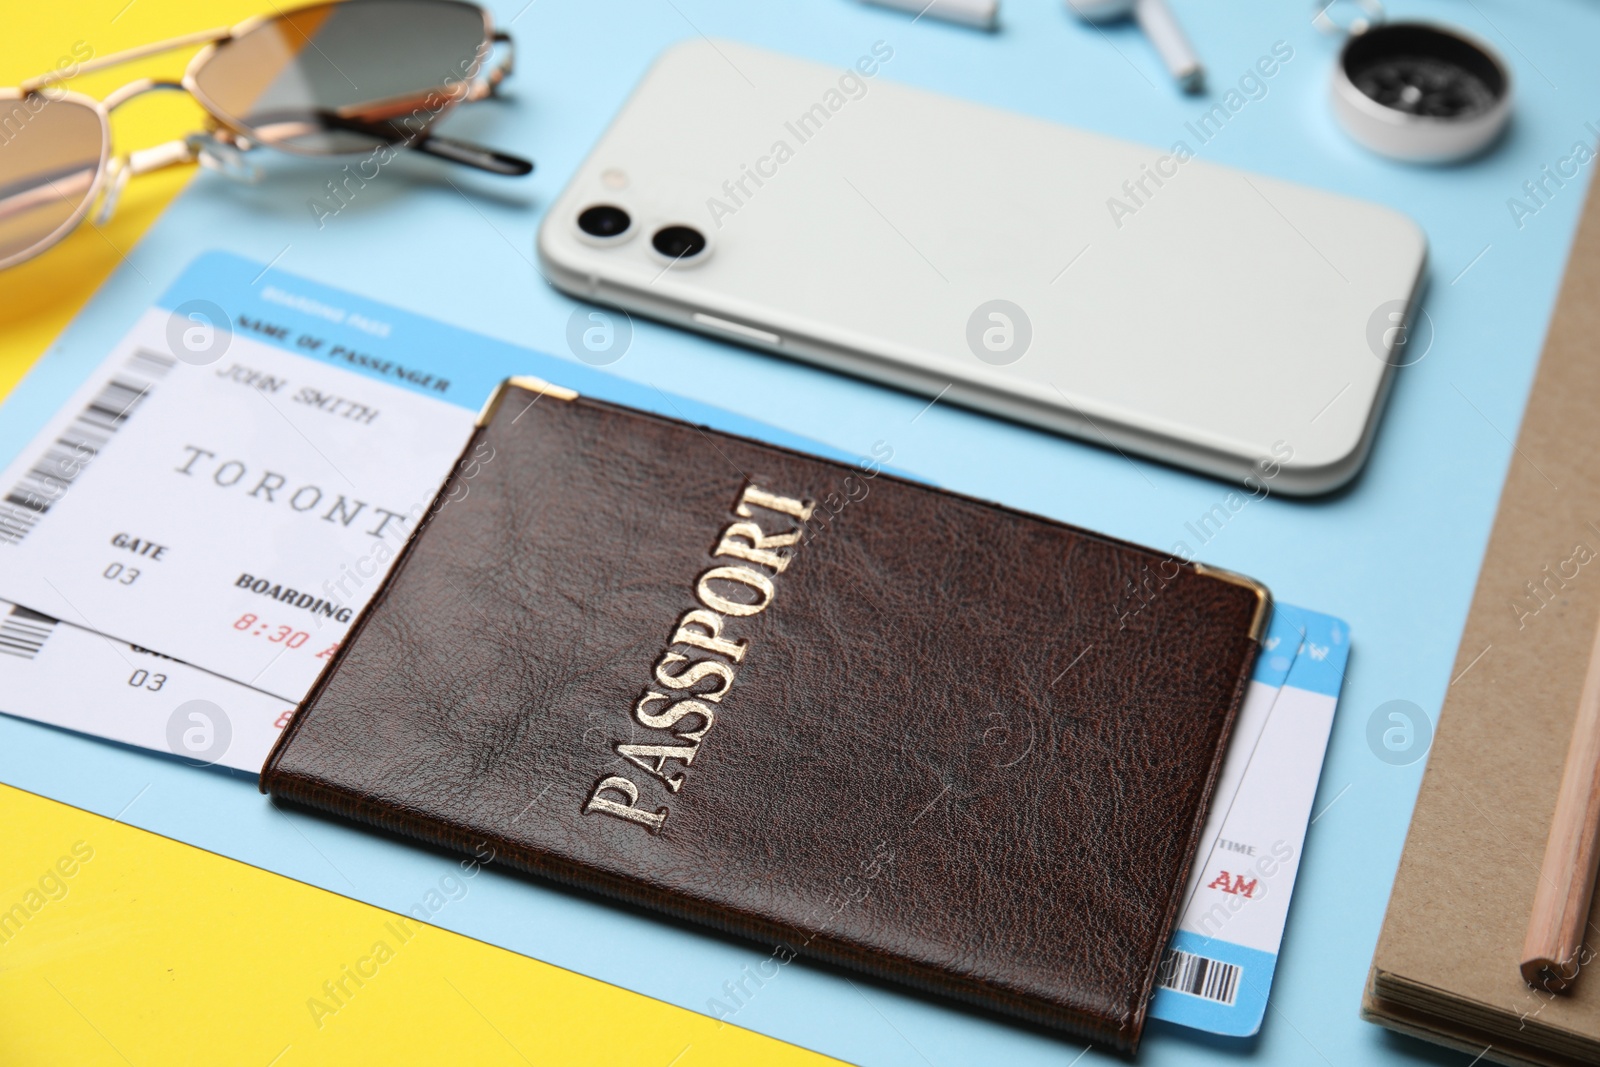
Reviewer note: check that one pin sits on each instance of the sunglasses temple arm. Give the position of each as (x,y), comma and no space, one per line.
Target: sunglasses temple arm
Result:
(176,153)
(127,56)
(472,155)
(477,156)
(456,151)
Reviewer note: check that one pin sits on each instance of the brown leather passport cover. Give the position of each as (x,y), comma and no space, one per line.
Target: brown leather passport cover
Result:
(843,714)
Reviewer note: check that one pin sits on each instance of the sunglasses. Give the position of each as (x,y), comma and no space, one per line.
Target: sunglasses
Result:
(335,78)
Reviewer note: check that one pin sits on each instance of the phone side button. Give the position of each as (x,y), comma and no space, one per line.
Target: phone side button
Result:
(737,329)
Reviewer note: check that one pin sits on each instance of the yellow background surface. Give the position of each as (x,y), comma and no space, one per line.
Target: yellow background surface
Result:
(151,952)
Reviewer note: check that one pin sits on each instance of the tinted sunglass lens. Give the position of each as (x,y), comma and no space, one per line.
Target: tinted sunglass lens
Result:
(50,153)
(346,77)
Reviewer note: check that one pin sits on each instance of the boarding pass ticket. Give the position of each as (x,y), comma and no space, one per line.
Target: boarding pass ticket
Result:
(1218,971)
(186,542)
(229,503)
(228,488)
(62,674)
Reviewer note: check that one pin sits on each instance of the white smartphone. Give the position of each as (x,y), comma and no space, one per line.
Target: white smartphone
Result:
(1134,297)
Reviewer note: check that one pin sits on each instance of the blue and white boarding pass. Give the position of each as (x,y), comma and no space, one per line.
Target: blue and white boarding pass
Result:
(223,494)
(231,483)
(1218,971)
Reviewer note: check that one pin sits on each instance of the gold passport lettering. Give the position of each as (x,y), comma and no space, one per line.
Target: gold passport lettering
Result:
(727,591)
(741,575)
(598,801)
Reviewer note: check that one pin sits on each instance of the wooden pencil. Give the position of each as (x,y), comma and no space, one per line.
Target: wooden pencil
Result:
(1554,951)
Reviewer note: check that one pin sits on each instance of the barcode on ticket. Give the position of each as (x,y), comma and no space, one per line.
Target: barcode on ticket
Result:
(23,632)
(48,480)
(1199,976)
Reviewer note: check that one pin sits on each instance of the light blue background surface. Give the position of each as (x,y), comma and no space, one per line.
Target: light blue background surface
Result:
(1396,555)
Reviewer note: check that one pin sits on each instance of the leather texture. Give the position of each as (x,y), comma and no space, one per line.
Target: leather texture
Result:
(959,751)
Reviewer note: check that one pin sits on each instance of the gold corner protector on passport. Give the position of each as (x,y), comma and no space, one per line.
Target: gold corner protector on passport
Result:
(526,382)
(1263,615)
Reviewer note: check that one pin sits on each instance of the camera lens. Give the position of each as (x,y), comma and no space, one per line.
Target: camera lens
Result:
(604,220)
(679,242)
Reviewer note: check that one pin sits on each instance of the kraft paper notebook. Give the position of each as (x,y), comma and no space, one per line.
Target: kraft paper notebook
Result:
(843,714)
(1446,966)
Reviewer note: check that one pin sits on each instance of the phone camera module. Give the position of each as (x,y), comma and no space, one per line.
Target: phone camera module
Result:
(679,242)
(604,221)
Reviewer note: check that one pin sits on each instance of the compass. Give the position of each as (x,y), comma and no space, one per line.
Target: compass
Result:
(1418,92)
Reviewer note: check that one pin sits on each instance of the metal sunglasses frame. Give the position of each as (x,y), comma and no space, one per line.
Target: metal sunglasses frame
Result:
(220,146)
